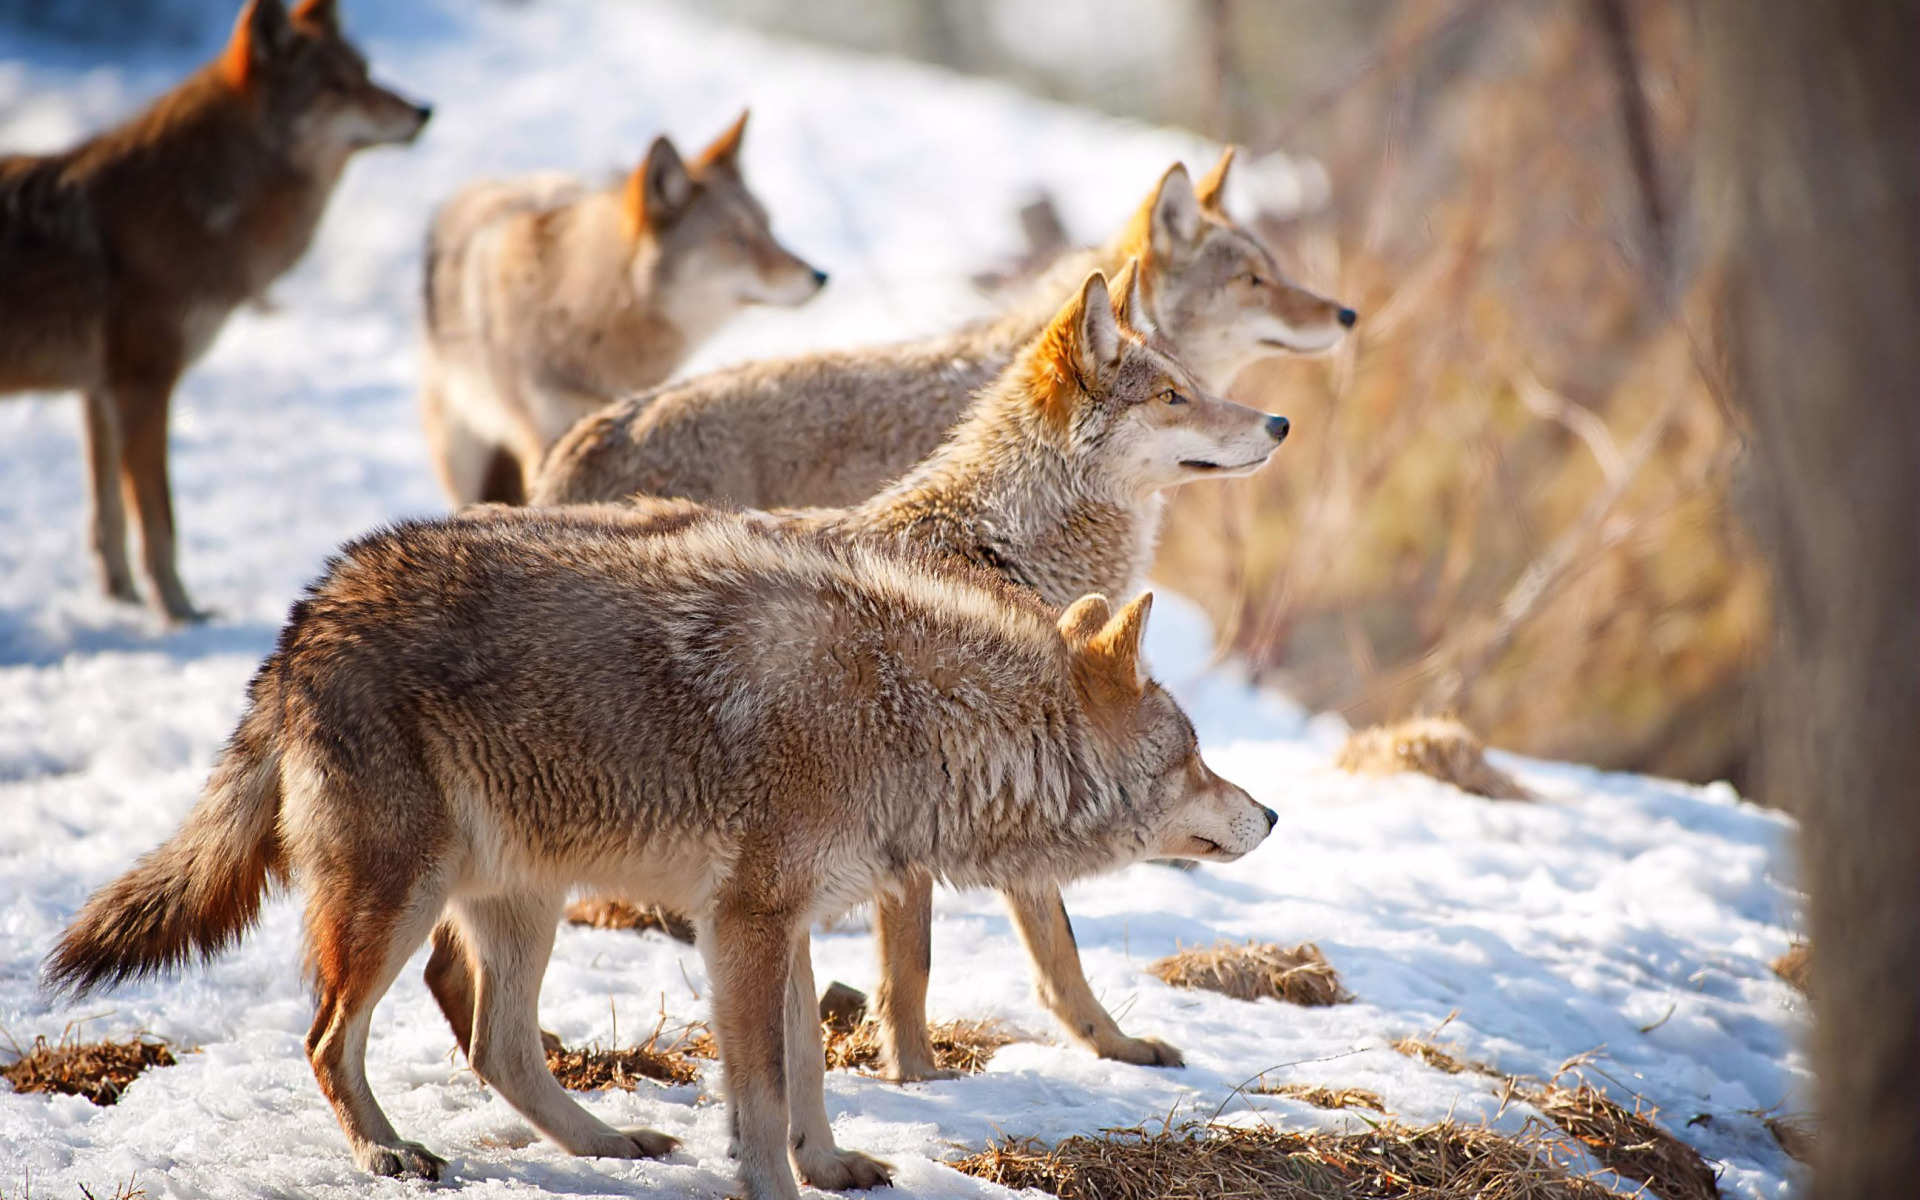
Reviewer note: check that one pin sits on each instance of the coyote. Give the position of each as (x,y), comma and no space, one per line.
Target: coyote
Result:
(833,428)
(546,300)
(121,259)
(790,722)
(1053,482)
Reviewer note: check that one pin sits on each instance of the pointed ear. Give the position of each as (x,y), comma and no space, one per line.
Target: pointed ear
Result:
(724,151)
(1211,190)
(322,14)
(658,188)
(1174,221)
(1084,618)
(1119,640)
(1129,302)
(262,33)
(1098,340)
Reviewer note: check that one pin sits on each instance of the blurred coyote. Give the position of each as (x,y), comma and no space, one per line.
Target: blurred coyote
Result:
(1053,482)
(121,259)
(833,428)
(790,721)
(545,300)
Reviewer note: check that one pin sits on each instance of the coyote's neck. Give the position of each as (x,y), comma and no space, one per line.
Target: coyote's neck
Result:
(1009,496)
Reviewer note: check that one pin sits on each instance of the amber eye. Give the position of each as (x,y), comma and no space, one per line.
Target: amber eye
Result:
(1171,396)
(1252,279)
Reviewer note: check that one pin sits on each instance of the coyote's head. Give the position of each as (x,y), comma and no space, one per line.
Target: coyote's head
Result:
(1137,420)
(1173,806)
(308,85)
(702,241)
(1213,290)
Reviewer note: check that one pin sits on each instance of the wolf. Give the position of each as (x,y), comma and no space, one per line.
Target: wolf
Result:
(1054,481)
(546,300)
(790,721)
(833,428)
(121,259)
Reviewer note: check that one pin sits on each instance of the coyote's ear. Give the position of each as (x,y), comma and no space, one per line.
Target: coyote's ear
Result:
(262,33)
(1119,640)
(322,14)
(1080,349)
(1175,218)
(1129,301)
(1084,618)
(724,151)
(1211,190)
(658,188)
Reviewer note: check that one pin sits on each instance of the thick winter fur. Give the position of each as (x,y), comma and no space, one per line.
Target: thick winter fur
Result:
(1053,481)
(121,259)
(755,727)
(546,300)
(833,428)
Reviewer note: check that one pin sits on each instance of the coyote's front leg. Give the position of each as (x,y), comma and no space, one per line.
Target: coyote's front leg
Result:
(1041,916)
(903,931)
(810,1136)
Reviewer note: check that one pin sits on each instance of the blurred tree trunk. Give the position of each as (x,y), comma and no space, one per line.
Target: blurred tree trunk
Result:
(1811,202)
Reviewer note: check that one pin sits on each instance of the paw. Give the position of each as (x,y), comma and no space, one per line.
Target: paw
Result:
(1144,1052)
(182,615)
(634,1143)
(551,1043)
(403,1160)
(926,1074)
(838,1170)
(120,588)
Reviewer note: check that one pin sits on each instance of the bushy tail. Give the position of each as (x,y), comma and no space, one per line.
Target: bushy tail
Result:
(202,888)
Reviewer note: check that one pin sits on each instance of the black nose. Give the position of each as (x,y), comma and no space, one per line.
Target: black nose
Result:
(1277,428)
(424,111)
(1348,317)
(1273,818)
(819,278)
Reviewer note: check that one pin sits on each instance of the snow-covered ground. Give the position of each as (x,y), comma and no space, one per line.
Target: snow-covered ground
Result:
(1622,916)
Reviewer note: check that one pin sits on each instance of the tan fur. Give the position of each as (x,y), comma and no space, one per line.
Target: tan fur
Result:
(545,300)
(1436,746)
(121,259)
(834,427)
(1054,482)
(755,727)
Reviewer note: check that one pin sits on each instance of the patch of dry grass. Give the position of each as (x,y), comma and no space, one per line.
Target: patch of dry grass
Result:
(1631,1144)
(591,1069)
(1254,971)
(602,912)
(1199,1162)
(1321,1097)
(100,1071)
(1440,747)
(1798,1136)
(1439,1059)
(964,1045)
(1796,966)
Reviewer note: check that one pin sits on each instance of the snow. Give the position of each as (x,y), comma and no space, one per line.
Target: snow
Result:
(1622,916)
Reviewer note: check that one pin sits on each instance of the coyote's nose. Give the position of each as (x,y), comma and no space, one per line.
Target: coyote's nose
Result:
(819,278)
(1348,317)
(1273,818)
(1277,428)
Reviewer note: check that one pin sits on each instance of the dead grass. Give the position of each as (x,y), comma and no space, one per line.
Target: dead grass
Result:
(1322,1097)
(964,1045)
(100,1071)
(1796,966)
(591,1069)
(1631,1144)
(1798,1136)
(602,912)
(1198,1162)
(1257,970)
(1439,1059)
(1440,747)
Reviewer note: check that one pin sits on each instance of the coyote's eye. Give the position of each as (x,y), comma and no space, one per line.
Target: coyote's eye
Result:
(1173,396)
(1253,279)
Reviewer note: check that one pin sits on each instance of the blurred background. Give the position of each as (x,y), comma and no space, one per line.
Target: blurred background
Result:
(1509,496)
